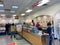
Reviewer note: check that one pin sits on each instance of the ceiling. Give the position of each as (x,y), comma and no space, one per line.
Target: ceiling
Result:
(9,3)
(23,5)
(51,3)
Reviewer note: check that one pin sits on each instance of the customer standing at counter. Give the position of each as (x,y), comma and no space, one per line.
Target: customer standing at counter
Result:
(49,37)
(6,31)
(13,30)
(7,26)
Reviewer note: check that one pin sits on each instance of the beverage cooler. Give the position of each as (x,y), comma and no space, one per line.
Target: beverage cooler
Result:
(2,29)
(57,25)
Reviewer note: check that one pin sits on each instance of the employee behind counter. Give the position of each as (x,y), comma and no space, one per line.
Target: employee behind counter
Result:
(38,26)
(33,23)
(30,26)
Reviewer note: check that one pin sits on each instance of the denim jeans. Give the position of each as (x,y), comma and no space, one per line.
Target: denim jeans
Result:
(49,40)
(12,34)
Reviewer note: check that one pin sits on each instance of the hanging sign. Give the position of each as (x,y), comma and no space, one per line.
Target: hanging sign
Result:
(35,4)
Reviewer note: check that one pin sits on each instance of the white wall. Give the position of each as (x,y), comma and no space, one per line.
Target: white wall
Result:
(48,11)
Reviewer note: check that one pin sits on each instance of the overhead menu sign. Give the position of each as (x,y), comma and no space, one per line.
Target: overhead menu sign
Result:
(35,4)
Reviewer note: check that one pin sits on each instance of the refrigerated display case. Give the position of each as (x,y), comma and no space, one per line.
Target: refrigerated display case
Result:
(2,28)
(57,25)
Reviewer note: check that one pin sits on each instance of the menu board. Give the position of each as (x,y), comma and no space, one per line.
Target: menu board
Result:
(43,20)
(18,27)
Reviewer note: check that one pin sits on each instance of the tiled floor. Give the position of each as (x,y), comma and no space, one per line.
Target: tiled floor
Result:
(5,40)
(56,42)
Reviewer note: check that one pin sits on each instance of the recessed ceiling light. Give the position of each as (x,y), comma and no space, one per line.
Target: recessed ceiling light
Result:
(2,10)
(1,5)
(3,15)
(22,14)
(29,10)
(43,2)
(14,6)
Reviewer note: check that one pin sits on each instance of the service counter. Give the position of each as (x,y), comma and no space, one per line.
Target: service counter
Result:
(34,38)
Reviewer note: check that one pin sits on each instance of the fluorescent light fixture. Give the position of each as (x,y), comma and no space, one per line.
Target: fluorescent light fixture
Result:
(22,14)
(11,21)
(29,10)
(3,15)
(12,11)
(14,15)
(14,6)
(2,10)
(43,2)
(1,5)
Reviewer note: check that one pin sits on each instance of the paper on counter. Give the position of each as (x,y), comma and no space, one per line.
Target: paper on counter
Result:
(45,34)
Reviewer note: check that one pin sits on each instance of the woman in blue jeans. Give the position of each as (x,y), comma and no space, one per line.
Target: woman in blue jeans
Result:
(49,37)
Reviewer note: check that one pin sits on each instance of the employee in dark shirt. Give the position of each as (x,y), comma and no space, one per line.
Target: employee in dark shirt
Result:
(49,28)
(49,37)
(6,26)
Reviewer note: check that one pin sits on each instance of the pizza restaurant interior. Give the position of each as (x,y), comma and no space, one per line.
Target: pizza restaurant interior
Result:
(30,22)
